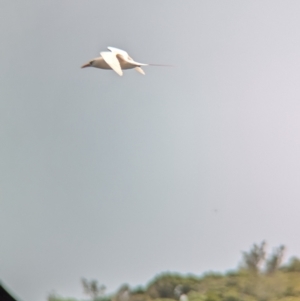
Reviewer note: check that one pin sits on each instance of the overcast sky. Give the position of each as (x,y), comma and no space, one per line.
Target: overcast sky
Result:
(121,178)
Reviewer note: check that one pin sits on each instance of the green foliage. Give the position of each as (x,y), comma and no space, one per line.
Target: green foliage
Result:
(93,289)
(293,265)
(274,261)
(163,286)
(138,290)
(253,259)
(251,283)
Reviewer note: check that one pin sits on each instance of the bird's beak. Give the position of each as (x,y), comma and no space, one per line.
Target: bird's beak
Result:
(86,65)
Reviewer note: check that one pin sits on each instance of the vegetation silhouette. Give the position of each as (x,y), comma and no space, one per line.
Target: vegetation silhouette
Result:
(5,295)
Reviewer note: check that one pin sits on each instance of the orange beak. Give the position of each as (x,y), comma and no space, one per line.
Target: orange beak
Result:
(86,65)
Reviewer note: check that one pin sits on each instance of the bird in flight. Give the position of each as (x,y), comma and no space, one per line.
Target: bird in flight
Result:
(117,60)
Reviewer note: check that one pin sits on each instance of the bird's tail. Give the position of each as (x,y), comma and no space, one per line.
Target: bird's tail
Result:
(160,65)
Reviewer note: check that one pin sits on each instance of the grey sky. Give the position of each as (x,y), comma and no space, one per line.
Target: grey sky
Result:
(117,178)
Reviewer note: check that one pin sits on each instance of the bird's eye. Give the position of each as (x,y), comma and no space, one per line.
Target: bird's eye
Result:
(91,62)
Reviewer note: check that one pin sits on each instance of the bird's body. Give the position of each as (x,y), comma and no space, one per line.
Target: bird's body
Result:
(115,59)
(99,62)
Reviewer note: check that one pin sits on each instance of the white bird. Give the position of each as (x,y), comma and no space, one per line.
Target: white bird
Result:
(117,60)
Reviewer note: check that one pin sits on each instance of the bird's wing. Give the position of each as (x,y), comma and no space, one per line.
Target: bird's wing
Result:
(124,55)
(140,70)
(111,59)
(117,51)
(128,59)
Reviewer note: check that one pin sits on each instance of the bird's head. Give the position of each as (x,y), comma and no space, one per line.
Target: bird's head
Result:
(89,64)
